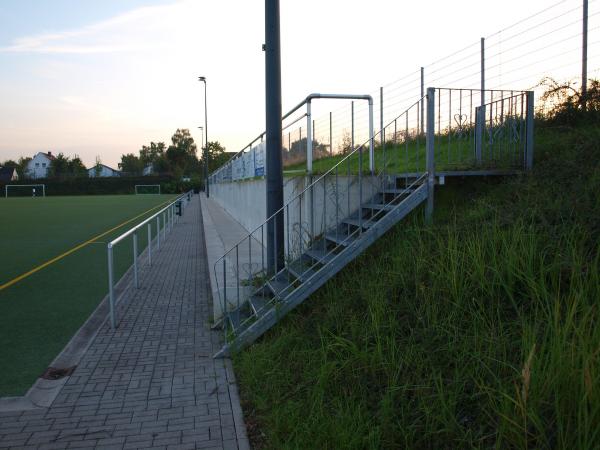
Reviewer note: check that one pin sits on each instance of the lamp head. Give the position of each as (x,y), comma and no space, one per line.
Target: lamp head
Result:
(202,79)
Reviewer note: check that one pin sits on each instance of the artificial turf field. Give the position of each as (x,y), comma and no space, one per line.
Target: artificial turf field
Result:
(40,313)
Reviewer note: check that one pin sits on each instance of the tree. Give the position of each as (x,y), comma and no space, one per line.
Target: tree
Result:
(98,167)
(76,168)
(152,153)
(216,156)
(131,164)
(181,154)
(59,167)
(22,167)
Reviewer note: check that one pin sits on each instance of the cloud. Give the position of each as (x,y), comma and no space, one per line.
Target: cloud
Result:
(117,34)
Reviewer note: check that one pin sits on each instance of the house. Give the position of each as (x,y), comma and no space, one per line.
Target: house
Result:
(148,170)
(105,171)
(39,165)
(8,174)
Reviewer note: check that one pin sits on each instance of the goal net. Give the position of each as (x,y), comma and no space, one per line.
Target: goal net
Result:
(147,189)
(25,190)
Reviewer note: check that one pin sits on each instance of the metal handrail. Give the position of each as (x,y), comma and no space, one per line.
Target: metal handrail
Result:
(306,100)
(169,220)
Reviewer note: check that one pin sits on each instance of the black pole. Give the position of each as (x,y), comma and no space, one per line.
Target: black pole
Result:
(275,244)
(206,188)
(584,56)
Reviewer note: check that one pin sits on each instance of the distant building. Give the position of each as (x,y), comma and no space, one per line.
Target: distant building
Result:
(39,165)
(104,172)
(8,174)
(148,170)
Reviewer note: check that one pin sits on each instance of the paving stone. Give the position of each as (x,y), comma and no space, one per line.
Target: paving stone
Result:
(152,382)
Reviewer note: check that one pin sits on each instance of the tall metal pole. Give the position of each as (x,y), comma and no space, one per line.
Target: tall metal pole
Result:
(206,187)
(483,72)
(330,136)
(584,56)
(422,102)
(272,48)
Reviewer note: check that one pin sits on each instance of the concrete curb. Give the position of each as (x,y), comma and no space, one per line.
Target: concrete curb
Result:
(212,248)
(43,392)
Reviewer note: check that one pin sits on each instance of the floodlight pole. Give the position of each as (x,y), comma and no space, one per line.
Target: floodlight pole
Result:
(272,48)
(206,188)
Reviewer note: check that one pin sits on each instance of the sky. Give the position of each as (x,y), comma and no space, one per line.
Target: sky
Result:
(103,78)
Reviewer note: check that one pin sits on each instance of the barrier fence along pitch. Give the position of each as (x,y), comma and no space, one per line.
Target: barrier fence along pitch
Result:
(169,220)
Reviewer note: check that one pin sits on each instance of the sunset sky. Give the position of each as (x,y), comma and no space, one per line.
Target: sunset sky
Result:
(102,78)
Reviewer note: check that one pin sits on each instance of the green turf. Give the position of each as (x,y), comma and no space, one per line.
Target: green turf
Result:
(39,314)
(478,331)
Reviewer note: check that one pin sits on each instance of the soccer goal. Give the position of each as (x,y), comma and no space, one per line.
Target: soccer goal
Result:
(25,190)
(147,189)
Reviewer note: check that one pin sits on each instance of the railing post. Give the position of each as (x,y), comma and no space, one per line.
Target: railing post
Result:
(135,260)
(530,125)
(430,152)
(149,243)
(309,140)
(158,232)
(371,139)
(422,103)
(111,288)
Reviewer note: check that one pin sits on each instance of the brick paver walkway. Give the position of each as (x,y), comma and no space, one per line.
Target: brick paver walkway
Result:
(153,382)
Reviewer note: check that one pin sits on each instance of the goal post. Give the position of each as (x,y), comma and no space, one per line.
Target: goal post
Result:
(147,189)
(25,190)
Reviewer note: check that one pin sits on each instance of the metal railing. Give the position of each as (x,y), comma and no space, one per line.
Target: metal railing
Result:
(169,215)
(455,135)
(250,161)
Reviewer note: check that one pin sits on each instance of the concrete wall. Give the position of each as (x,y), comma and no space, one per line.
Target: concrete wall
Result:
(333,199)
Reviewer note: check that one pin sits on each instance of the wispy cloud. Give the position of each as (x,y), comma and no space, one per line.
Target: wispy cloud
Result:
(117,34)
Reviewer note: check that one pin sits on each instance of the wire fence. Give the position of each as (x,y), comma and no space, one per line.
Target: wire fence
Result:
(527,55)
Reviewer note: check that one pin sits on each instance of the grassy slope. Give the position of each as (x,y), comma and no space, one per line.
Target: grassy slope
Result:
(477,332)
(39,314)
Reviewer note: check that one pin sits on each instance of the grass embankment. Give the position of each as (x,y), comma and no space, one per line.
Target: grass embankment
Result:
(39,314)
(479,331)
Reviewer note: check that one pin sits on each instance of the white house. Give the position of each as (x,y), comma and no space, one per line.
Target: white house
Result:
(39,165)
(8,174)
(148,170)
(104,172)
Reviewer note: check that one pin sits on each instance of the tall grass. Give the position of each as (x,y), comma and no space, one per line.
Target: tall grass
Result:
(480,331)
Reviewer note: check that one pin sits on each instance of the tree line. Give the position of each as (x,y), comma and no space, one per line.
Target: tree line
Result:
(179,159)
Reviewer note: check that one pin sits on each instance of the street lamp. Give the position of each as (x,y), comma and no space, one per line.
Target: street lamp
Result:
(202,131)
(203,79)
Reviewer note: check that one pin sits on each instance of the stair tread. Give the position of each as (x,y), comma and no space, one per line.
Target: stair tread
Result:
(397,191)
(386,207)
(258,303)
(278,286)
(301,273)
(340,238)
(320,255)
(365,223)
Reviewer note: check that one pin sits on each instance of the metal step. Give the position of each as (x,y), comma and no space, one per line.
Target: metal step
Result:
(378,206)
(320,256)
(301,273)
(365,223)
(280,287)
(258,303)
(396,191)
(236,317)
(340,238)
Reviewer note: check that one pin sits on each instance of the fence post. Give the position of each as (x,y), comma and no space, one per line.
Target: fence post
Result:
(422,102)
(530,124)
(381,114)
(135,260)
(149,243)
(430,152)
(371,139)
(309,143)
(330,136)
(111,288)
